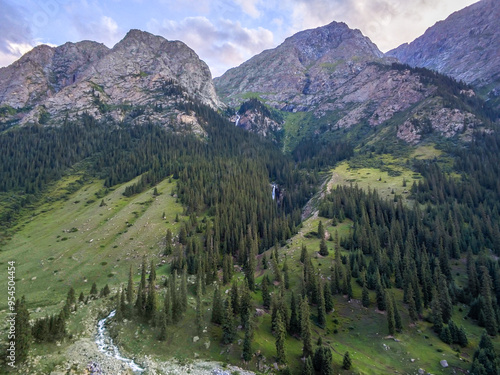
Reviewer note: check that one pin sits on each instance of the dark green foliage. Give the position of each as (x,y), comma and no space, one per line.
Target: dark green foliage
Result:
(321,230)
(294,326)
(365,296)
(247,342)
(322,360)
(23,332)
(280,333)
(105,291)
(391,323)
(217,307)
(228,326)
(485,360)
(321,306)
(323,248)
(305,324)
(266,297)
(347,362)
(307,367)
(93,289)
(445,335)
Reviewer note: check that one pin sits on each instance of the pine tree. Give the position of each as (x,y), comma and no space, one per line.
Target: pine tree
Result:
(365,296)
(217,307)
(199,312)
(322,360)
(105,291)
(328,298)
(247,342)
(321,306)
(152,300)
(436,313)
(412,309)
(307,367)
(380,295)
(167,308)
(245,305)
(490,322)
(303,253)
(235,299)
(119,310)
(162,336)
(347,363)
(391,323)
(445,299)
(130,287)
(323,248)
(228,329)
(485,359)
(445,335)
(184,292)
(321,230)
(266,297)
(286,274)
(93,290)
(397,317)
(71,298)
(294,317)
(22,331)
(140,303)
(168,242)
(305,324)
(81,298)
(280,334)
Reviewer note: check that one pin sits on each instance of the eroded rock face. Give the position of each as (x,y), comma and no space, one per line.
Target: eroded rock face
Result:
(464,46)
(140,79)
(445,121)
(336,72)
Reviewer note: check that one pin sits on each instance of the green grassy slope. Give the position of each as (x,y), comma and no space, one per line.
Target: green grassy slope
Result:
(71,240)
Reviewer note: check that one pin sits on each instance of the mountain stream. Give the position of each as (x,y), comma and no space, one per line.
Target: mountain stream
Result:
(106,345)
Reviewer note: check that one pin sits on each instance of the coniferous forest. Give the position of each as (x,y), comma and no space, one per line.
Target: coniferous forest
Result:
(416,260)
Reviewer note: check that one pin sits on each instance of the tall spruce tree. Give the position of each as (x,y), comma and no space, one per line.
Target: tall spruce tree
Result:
(228,328)
(22,331)
(305,324)
(280,333)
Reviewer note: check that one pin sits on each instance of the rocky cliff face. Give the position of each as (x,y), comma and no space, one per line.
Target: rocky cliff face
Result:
(464,46)
(139,79)
(339,75)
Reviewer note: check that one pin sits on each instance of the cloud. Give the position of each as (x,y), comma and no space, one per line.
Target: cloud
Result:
(249,7)
(15,34)
(104,30)
(221,45)
(388,23)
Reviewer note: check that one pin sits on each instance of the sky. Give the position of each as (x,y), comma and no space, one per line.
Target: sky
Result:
(224,33)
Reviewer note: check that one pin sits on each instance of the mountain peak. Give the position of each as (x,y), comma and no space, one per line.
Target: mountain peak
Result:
(335,38)
(142,69)
(463,46)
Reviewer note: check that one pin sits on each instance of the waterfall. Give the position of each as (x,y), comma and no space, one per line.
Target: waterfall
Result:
(274,190)
(237,119)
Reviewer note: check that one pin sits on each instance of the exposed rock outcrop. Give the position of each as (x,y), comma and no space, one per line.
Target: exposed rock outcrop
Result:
(339,75)
(464,46)
(140,79)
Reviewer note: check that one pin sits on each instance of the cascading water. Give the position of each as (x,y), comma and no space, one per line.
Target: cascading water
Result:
(106,345)
(274,190)
(237,119)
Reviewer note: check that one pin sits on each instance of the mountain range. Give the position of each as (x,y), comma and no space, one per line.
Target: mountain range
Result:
(332,76)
